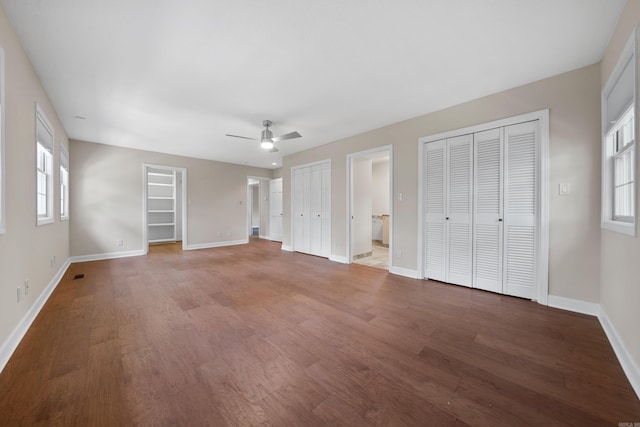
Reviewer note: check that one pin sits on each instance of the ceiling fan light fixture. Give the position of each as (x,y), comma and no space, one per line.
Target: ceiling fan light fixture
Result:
(266,144)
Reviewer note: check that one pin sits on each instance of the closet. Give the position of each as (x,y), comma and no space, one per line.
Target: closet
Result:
(311,201)
(161,205)
(481,209)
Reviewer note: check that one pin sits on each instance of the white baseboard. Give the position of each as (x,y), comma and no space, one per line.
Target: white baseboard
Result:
(287,248)
(216,244)
(339,258)
(629,366)
(108,255)
(574,305)
(406,272)
(10,345)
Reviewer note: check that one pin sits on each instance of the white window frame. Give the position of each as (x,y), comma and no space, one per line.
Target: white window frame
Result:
(3,224)
(44,165)
(610,151)
(64,184)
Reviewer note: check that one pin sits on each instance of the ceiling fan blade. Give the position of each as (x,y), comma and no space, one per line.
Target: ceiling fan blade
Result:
(274,150)
(286,136)
(238,136)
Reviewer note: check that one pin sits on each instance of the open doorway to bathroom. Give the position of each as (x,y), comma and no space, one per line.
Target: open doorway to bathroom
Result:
(370,207)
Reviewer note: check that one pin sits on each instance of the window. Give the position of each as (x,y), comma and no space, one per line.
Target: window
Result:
(2,175)
(619,145)
(64,184)
(44,169)
(622,140)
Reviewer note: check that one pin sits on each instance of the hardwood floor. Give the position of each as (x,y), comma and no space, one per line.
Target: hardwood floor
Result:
(249,334)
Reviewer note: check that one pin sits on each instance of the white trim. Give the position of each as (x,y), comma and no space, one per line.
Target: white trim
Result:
(18,333)
(339,258)
(3,221)
(406,272)
(606,198)
(542,274)
(286,248)
(145,227)
(216,244)
(575,305)
(513,120)
(629,366)
(108,255)
(349,181)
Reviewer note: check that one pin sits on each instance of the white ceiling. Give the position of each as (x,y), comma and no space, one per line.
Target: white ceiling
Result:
(176,76)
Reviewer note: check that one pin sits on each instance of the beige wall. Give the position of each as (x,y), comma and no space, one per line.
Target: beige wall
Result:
(574,102)
(26,250)
(106,198)
(620,259)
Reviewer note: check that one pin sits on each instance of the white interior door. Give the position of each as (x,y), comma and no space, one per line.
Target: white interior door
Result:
(521,195)
(315,244)
(312,209)
(435,209)
(325,212)
(458,217)
(275,207)
(488,220)
(301,210)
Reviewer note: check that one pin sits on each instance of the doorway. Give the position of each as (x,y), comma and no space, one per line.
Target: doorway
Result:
(369,190)
(257,207)
(164,206)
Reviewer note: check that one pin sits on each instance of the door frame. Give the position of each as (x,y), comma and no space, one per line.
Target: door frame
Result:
(183,207)
(350,159)
(541,293)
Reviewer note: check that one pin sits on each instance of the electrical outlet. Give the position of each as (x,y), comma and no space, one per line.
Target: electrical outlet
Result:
(398,254)
(19,294)
(51,261)
(120,242)
(26,287)
(228,234)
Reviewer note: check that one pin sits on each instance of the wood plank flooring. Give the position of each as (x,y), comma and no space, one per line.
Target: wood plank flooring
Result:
(251,335)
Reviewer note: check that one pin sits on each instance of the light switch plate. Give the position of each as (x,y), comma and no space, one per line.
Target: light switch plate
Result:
(564,189)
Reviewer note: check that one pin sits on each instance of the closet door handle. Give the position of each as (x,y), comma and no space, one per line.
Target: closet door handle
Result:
(447,218)
(499,219)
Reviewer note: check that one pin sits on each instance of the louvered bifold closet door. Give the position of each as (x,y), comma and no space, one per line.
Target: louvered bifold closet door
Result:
(458,212)
(434,164)
(521,194)
(487,216)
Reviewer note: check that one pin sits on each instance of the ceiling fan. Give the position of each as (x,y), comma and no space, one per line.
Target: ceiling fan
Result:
(267,139)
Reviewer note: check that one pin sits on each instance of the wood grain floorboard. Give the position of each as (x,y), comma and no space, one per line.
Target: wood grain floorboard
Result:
(252,335)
